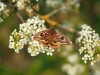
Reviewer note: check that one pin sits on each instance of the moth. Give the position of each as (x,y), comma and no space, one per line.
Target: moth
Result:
(51,38)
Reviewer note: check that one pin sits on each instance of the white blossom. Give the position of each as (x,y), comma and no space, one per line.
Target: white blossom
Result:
(2,6)
(49,51)
(1,20)
(90,44)
(37,0)
(21,4)
(76,69)
(73,58)
(53,3)
(25,35)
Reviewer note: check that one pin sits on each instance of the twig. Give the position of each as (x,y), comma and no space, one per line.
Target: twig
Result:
(67,29)
(20,17)
(63,7)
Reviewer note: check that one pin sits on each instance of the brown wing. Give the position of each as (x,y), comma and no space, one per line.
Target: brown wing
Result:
(58,39)
(47,38)
(42,37)
(62,39)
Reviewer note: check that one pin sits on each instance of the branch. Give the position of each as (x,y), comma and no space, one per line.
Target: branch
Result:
(20,17)
(72,30)
(63,7)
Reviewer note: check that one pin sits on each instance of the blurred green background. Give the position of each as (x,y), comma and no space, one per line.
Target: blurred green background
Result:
(22,63)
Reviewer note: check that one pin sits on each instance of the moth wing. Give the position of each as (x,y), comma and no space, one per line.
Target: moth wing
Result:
(62,39)
(41,37)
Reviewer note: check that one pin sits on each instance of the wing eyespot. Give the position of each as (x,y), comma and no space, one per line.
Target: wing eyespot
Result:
(55,41)
(41,34)
(62,38)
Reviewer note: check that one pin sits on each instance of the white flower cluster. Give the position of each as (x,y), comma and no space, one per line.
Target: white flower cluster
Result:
(53,3)
(2,7)
(37,0)
(76,69)
(90,44)
(21,4)
(73,67)
(25,37)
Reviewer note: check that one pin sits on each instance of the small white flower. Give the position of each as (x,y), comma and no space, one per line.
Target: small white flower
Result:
(73,58)
(21,3)
(17,50)
(1,20)
(37,0)
(85,27)
(2,6)
(81,50)
(11,45)
(11,38)
(53,3)
(49,51)
(92,62)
